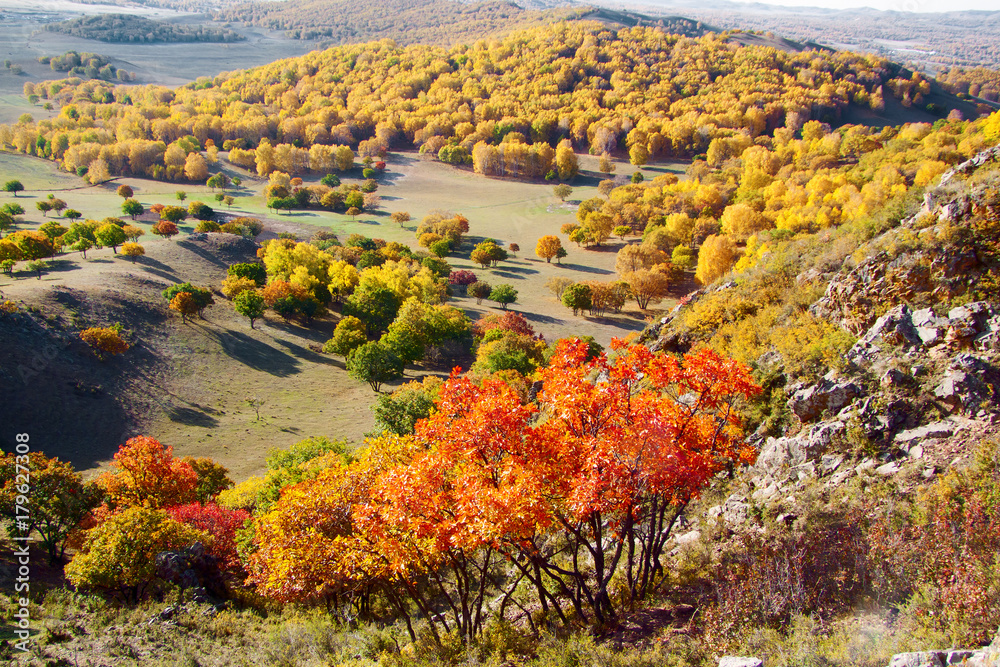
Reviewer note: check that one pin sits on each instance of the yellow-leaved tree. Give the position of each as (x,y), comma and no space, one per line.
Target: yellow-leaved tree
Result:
(715,258)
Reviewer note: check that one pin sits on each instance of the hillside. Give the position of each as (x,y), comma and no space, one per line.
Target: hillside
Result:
(443,22)
(119,28)
(578,85)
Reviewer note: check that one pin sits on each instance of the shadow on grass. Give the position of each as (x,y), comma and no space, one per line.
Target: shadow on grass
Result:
(543,319)
(191,417)
(254,353)
(586,269)
(306,354)
(513,271)
(201,252)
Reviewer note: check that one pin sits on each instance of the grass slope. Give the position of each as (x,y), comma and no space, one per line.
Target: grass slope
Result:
(187,384)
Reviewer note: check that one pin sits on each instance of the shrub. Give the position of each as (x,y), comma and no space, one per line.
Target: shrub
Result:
(105,341)
(233,286)
(252,270)
(461,277)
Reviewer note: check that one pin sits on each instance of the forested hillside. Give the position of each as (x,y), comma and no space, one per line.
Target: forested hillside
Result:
(407,21)
(577,85)
(128,28)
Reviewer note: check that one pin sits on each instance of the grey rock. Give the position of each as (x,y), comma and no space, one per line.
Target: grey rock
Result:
(930,336)
(738,661)
(810,403)
(829,463)
(887,469)
(923,659)
(936,431)
(796,450)
(925,317)
(892,378)
(896,326)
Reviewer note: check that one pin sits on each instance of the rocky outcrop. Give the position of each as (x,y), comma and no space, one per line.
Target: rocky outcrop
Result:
(191,568)
(809,403)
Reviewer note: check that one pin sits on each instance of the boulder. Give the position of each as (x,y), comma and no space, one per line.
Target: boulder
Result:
(797,449)
(737,661)
(914,436)
(811,402)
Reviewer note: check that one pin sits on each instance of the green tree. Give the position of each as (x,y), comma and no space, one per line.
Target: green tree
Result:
(110,235)
(562,191)
(252,270)
(374,363)
(72,214)
(181,195)
(13,186)
(503,294)
(399,411)
(249,304)
(376,307)
(578,297)
(200,211)
(132,207)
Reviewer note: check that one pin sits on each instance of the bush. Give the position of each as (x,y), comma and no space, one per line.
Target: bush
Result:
(252,270)
(208,227)
(461,277)
(105,341)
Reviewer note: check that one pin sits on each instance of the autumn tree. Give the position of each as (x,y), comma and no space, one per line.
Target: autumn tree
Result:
(174,214)
(198,299)
(133,251)
(547,247)
(133,232)
(740,221)
(648,285)
(119,555)
(124,191)
(715,258)
(479,290)
(347,336)
(213,478)
(165,229)
(146,473)
(58,497)
(217,522)
(562,191)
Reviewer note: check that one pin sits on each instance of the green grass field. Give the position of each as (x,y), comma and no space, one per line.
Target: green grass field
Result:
(210,368)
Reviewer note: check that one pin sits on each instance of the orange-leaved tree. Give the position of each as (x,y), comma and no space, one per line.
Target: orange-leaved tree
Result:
(145,473)
(635,446)
(306,546)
